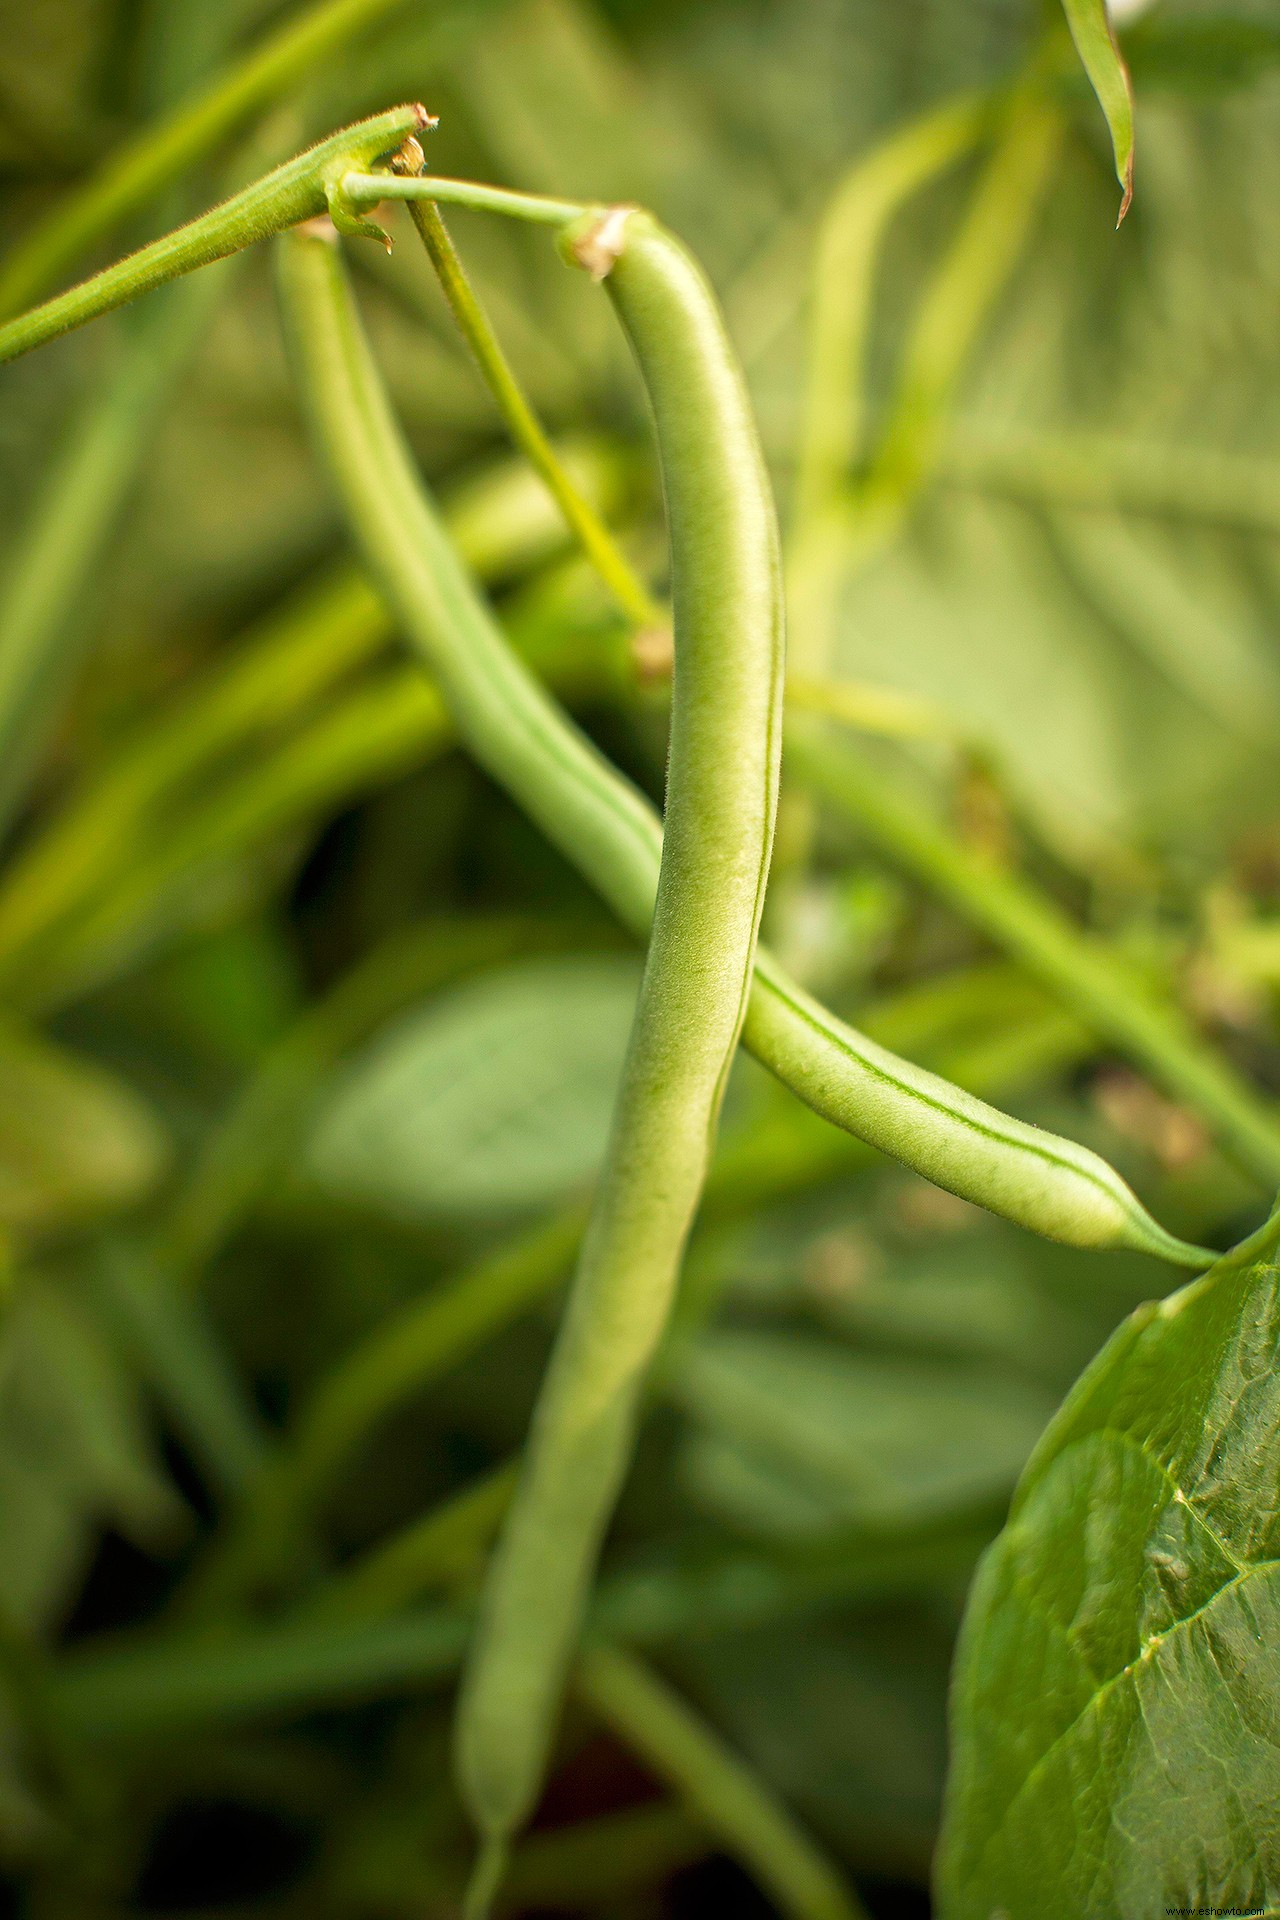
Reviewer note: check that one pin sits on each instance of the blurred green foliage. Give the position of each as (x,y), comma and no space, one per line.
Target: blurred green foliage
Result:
(309,1040)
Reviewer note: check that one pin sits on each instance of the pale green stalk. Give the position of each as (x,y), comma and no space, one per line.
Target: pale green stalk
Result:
(161,153)
(850,241)
(41,639)
(357,190)
(181,1357)
(886,711)
(389,724)
(844,530)
(959,300)
(737,1807)
(386,725)
(188,1681)
(611,833)
(301,189)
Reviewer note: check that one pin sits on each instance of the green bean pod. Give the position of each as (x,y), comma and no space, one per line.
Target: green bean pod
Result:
(721,798)
(1054,1187)
(612,835)
(301,189)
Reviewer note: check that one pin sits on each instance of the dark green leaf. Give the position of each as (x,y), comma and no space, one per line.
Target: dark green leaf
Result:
(1117,1704)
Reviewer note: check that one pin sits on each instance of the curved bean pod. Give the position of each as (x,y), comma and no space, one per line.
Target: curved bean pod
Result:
(613,836)
(301,189)
(1056,1188)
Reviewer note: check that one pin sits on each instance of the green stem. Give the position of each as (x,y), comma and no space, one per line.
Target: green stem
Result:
(299,190)
(961,295)
(158,156)
(737,1806)
(187,1681)
(356,189)
(389,724)
(847,526)
(1038,935)
(523,423)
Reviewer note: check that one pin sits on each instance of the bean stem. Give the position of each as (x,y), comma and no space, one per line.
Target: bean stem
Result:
(182,1355)
(106,1687)
(278,672)
(358,189)
(524,425)
(161,153)
(736,1805)
(299,190)
(1119,475)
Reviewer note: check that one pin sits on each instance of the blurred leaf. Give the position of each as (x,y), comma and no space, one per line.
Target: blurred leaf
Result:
(74,1140)
(1180,597)
(47,59)
(979,1296)
(846,1720)
(799,1435)
(498,1095)
(1096,44)
(1115,1706)
(74,1451)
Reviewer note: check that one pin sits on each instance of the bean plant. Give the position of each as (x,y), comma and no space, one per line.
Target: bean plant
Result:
(625,1249)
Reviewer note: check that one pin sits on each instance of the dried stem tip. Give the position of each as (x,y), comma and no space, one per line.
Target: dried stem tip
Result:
(409,159)
(597,245)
